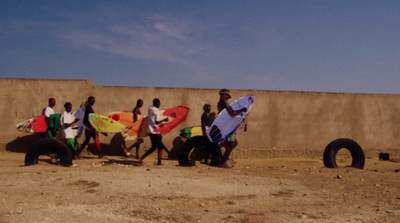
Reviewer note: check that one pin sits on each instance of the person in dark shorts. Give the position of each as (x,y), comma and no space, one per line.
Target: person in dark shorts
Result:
(136,112)
(90,131)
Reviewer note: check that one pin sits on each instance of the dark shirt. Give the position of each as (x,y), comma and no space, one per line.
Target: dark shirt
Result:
(221,105)
(88,110)
(205,121)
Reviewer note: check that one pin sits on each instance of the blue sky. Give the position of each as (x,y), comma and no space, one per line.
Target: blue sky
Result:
(300,45)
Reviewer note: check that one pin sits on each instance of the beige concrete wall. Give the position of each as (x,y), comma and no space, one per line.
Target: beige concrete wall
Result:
(280,123)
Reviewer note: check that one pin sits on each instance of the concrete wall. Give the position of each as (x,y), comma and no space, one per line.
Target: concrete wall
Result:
(280,123)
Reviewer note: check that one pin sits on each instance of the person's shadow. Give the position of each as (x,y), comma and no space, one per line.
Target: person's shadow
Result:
(22,144)
(112,149)
(175,150)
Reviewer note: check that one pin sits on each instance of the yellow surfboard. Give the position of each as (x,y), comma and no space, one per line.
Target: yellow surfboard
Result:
(104,124)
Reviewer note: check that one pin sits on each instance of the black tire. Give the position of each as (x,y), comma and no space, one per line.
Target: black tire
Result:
(333,147)
(201,141)
(43,146)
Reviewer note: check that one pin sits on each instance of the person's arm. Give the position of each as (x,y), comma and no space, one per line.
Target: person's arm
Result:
(86,117)
(232,112)
(161,121)
(135,115)
(70,124)
(204,123)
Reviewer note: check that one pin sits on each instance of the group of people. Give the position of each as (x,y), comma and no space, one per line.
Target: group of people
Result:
(68,120)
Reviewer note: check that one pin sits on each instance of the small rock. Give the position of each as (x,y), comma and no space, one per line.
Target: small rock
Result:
(148,169)
(339,177)
(231,216)
(303,216)
(398,170)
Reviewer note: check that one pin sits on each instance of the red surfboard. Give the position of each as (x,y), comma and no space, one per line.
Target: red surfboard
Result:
(38,124)
(175,115)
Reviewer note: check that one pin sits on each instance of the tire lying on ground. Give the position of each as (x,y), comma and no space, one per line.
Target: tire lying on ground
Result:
(45,146)
(333,147)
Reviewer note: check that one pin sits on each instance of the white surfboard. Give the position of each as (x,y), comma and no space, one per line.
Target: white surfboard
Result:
(225,125)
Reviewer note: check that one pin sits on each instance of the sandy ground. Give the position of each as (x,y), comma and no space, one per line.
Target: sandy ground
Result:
(255,190)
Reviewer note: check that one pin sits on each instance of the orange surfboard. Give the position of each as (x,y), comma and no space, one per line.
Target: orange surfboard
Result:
(175,115)
(134,129)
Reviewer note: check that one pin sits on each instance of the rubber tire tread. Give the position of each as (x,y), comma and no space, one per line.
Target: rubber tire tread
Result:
(33,153)
(354,148)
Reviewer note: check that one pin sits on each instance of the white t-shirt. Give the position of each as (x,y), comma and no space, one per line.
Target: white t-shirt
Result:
(152,117)
(48,111)
(67,118)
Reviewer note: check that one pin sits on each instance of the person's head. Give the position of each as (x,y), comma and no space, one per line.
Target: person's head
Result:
(139,103)
(224,93)
(156,102)
(68,106)
(207,108)
(91,100)
(52,102)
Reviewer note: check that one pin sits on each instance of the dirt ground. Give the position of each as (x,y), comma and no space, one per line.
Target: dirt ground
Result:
(113,189)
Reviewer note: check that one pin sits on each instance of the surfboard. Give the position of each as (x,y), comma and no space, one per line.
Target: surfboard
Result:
(79,114)
(190,132)
(25,126)
(176,115)
(225,125)
(134,129)
(104,124)
(38,124)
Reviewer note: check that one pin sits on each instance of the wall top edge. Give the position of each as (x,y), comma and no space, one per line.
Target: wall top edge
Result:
(213,89)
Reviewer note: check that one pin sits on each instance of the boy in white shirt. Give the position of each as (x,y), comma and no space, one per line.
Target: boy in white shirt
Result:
(47,112)
(154,131)
(68,120)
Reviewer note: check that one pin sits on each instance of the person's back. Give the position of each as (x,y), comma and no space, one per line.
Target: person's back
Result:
(136,111)
(152,118)
(205,120)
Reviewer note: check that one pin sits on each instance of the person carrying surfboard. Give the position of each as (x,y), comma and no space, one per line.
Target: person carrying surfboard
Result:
(67,121)
(154,131)
(231,141)
(136,113)
(90,131)
(47,112)
(205,123)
